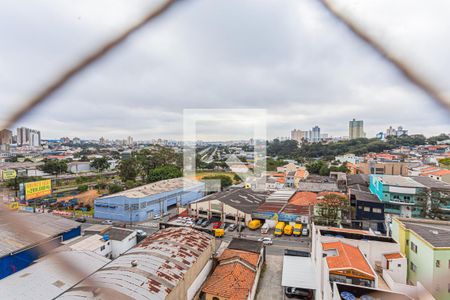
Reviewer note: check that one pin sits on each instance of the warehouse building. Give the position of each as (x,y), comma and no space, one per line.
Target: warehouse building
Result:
(141,203)
(47,278)
(229,206)
(171,264)
(19,249)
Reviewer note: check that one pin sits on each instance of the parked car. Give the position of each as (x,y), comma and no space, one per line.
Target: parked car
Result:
(266,240)
(205,223)
(232,227)
(226,225)
(189,223)
(107,222)
(199,222)
(241,228)
(156,217)
(297,293)
(217,225)
(305,231)
(81,219)
(141,232)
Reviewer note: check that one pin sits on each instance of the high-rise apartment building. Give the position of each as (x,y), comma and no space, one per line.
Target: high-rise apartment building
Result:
(315,134)
(356,129)
(300,135)
(129,140)
(5,137)
(28,137)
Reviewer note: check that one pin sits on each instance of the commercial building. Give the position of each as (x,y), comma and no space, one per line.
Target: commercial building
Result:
(47,278)
(401,194)
(19,248)
(426,245)
(237,274)
(381,168)
(28,137)
(229,206)
(171,264)
(398,193)
(369,210)
(141,203)
(5,139)
(356,129)
(315,134)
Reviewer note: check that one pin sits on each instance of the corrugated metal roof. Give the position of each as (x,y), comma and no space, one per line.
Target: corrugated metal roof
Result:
(162,261)
(44,227)
(298,272)
(156,188)
(46,278)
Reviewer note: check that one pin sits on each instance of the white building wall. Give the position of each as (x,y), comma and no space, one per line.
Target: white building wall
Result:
(120,247)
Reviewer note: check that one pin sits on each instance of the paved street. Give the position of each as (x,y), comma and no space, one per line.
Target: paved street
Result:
(269,286)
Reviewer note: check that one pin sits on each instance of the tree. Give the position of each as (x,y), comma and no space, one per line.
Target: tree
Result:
(434,139)
(54,167)
(114,188)
(225,181)
(445,162)
(82,188)
(128,169)
(164,172)
(432,202)
(324,171)
(272,164)
(315,166)
(100,164)
(331,209)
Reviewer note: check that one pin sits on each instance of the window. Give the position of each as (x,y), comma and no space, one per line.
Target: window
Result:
(366,208)
(102,248)
(396,197)
(407,198)
(413,267)
(376,210)
(215,298)
(399,265)
(438,263)
(407,242)
(413,247)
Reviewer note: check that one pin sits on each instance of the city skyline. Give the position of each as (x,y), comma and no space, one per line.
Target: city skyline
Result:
(286,70)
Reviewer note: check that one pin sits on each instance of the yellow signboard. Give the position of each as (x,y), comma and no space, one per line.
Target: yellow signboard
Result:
(9,174)
(38,189)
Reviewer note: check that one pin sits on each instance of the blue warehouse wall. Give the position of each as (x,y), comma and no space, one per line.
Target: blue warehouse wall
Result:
(118,208)
(13,263)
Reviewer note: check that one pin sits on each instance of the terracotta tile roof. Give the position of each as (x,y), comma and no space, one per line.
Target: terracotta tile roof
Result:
(321,194)
(279,175)
(439,172)
(280,180)
(348,257)
(304,198)
(300,173)
(393,255)
(232,281)
(249,257)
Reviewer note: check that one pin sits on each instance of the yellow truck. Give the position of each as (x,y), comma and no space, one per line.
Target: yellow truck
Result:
(219,232)
(288,229)
(254,224)
(298,229)
(279,229)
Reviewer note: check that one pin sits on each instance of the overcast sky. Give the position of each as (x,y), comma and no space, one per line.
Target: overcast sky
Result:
(288,57)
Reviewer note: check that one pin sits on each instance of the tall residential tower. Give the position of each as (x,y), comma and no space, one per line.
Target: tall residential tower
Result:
(356,129)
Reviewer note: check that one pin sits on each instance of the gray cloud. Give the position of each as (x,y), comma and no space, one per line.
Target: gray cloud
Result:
(291,59)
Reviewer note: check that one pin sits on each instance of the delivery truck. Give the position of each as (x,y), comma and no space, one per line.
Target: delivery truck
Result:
(298,229)
(279,229)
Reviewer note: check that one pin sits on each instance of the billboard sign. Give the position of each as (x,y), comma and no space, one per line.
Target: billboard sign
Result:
(9,174)
(38,189)
(267,215)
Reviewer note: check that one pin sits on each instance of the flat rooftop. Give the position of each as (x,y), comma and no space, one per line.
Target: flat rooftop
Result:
(43,227)
(432,183)
(437,233)
(46,278)
(397,180)
(245,200)
(156,188)
(162,261)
